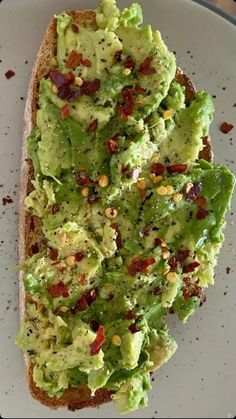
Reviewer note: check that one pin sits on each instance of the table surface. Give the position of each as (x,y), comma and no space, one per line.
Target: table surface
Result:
(228,5)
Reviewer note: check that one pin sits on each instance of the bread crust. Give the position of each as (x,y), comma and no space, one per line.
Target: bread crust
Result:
(30,226)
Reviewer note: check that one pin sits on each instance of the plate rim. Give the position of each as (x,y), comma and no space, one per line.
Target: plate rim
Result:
(218,10)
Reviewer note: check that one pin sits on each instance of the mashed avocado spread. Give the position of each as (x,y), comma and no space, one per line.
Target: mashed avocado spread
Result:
(132,221)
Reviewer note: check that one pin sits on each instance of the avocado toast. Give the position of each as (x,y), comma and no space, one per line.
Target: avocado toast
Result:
(123,220)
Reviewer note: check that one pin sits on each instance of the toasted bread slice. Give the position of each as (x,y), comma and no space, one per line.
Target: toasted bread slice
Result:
(30,226)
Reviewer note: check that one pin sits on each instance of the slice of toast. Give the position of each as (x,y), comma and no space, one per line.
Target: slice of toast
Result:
(30,226)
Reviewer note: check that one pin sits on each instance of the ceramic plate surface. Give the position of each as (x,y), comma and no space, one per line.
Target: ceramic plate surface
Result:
(199,381)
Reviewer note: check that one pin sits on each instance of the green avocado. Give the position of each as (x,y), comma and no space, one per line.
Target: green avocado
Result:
(132,221)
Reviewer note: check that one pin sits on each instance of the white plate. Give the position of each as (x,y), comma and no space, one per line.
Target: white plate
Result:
(200,379)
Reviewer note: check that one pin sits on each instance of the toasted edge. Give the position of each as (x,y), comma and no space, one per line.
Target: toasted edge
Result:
(30,226)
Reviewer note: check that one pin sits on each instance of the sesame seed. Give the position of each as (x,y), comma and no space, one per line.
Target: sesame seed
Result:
(170,189)
(141,184)
(116,340)
(126,71)
(85,192)
(162,190)
(103,181)
(78,81)
(171,276)
(156,179)
(155,158)
(167,114)
(165,253)
(177,197)
(111,213)
(70,261)
(54,89)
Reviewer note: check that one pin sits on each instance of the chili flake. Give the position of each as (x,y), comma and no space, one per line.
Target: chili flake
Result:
(225,127)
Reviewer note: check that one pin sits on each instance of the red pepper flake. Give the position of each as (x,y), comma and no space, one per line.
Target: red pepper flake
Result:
(9,74)
(74,28)
(225,127)
(174,263)
(62,82)
(79,256)
(182,255)
(86,62)
(112,146)
(81,178)
(194,192)
(145,67)
(123,168)
(91,295)
(62,269)
(65,111)
(127,95)
(86,300)
(177,168)
(201,202)
(90,87)
(139,90)
(129,315)
(157,241)
(124,111)
(134,328)
(34,248)
(52,253)
(117,56)
(74,59)
(93,199)
(129,63)
(58,78)
(92,126)
(127,108)
(69,76)
(55,208)
(64,92)
(7,200)
(202,213)
(157,291)
(191,267)
(193,290)
(157,169)
(138,265)
(94,325)
(119,243)
(83,279)
(96,345)
(81,305)
(58,290)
